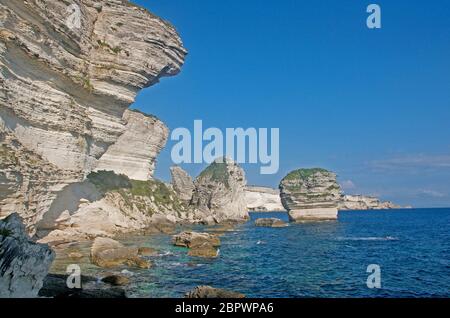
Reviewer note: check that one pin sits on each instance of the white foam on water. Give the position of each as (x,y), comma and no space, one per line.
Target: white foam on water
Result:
(369,238)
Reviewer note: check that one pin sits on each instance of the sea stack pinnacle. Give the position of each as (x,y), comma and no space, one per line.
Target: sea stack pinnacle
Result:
(310,194)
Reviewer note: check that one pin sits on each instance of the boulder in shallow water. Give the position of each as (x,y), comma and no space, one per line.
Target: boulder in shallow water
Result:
(106,252)
(23,263)
(270,222)
(193,239)
(211,292)
(116,280)
(205,250)
(147,251)
(139,262)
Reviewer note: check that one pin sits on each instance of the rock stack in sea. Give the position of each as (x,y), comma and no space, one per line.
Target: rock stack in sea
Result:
(219,192)
(310,194)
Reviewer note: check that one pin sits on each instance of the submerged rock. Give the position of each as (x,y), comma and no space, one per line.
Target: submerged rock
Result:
(23,263)
(205,250)
(211,292)
(55,286)
(147,251)
(310,194)
(116,280)
(270,222)
(194,239)
(106,252)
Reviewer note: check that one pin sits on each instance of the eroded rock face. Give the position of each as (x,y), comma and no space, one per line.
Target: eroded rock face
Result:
(29,184)
(263,199)
(68,89)
(23,264)
(310,194)
(143,206)
(219,192)
(135,151)
(64,95)
(361,202)
(182,183)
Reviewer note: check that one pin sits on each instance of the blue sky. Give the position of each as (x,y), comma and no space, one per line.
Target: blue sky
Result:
(371,105)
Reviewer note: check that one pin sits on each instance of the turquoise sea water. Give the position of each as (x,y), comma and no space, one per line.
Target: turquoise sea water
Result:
(327,259)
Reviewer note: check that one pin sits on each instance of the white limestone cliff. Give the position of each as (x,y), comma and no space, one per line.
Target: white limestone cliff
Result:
(64,95)
(135,151)
(219,192)
(263,199)
(362,202)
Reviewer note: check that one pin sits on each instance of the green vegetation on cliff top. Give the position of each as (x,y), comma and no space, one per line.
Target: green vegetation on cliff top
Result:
(303,174)
(108,180)
(132,190)
(216,171)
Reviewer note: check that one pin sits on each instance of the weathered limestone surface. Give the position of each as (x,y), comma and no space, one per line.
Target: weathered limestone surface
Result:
(310,194)
(135,151)
(64,95)
(23,264)
(263,199)
(182,183)
(219,192)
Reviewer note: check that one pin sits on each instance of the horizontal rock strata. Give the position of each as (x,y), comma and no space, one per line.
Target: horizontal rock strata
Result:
(310,194)
(64,95)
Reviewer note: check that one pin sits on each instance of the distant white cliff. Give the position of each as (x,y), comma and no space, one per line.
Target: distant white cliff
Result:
(263,199)
(362,202)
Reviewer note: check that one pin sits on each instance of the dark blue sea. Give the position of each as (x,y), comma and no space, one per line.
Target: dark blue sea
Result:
(326,259)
